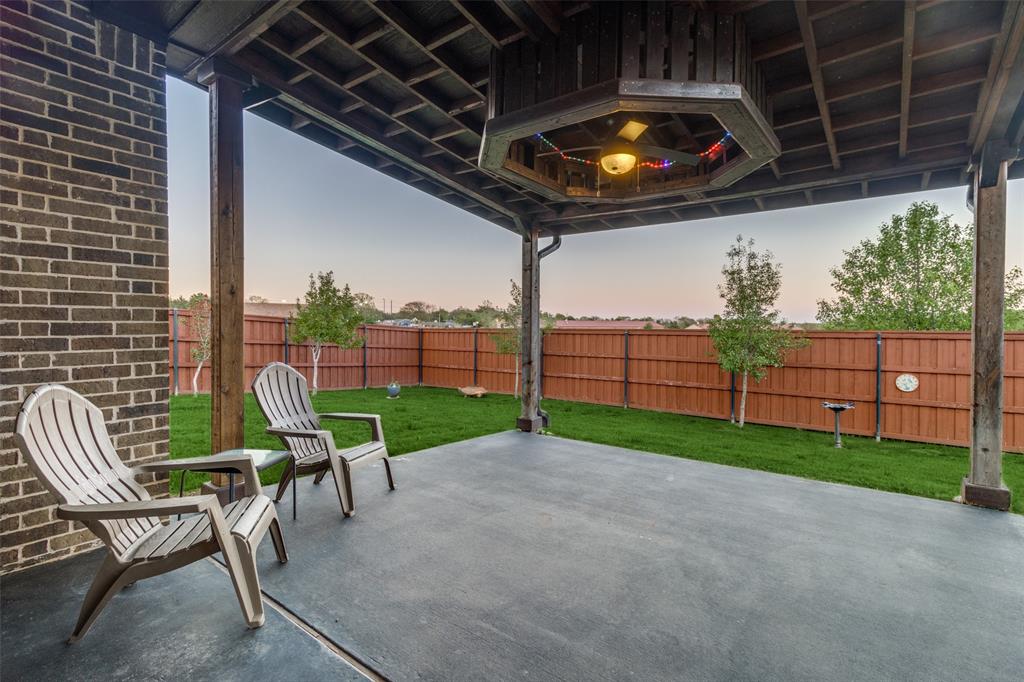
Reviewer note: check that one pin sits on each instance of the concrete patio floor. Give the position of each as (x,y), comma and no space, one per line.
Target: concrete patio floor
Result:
(517,556)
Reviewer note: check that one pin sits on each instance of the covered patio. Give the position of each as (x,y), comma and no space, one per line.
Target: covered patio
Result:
(515,556)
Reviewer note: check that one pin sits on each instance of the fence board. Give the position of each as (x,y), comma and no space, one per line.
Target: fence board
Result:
(669,371)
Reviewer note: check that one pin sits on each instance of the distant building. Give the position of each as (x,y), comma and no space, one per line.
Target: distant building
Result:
(607,324)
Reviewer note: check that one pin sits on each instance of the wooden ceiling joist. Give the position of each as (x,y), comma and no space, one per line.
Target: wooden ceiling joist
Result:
(817,81)
(909,19)
(445,58)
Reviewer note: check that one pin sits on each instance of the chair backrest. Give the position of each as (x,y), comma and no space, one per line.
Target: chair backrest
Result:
(64,439)
(283,397)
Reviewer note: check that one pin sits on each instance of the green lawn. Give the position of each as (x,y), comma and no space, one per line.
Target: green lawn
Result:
(425,417)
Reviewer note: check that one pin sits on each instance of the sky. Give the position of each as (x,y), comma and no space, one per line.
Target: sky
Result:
(309,209)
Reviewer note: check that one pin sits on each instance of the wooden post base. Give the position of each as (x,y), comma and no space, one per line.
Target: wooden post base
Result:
(985,496)
(530,424)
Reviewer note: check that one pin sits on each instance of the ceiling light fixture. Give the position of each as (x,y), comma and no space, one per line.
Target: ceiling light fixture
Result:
(618,157)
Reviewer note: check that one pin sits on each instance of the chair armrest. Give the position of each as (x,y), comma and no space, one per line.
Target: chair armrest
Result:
(136,510)
(372,419)
(283,432)
(240,463)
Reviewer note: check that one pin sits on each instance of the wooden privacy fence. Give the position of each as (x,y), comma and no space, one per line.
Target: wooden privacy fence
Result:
(665,370)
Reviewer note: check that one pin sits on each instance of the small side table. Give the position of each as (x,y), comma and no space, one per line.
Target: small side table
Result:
(263,459)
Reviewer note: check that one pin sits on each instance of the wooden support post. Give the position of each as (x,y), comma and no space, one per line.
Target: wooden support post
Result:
(530,418)
(227,289)
(984,485)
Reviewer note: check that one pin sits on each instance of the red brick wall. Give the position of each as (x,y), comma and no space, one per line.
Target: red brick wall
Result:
(83,227)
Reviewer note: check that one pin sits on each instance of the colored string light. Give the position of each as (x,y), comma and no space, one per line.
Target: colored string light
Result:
(709,153)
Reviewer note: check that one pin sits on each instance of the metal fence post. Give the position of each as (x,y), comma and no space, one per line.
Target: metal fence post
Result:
(732,396)
(174,318)
(476,342)
(420,359)
(625,369)
(287,347)
(365,344)
(878,386)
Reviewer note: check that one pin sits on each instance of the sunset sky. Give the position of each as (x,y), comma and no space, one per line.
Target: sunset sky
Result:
(308,208)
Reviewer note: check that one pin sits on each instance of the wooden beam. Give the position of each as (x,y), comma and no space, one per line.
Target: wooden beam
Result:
(862,86)
(479,23)
(227,271)
(926,178)
(248,31)
(860,45)
(407,106)
(1004,53)
(855,169)
(810,48)
(307,42)
(949,80)
(448,32)
(773,47)
(533,33)
(371,32)
(547,14)
(909,19)
(954,39)
(984,485)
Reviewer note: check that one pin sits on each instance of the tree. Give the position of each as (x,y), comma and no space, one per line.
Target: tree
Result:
(511,316)
(749,335)
(198,327)
(179,302)
(418,309)
(366,305)
(326,316)
(255,298)
(917,274)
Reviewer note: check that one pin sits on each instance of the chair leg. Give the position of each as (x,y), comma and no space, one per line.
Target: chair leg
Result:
(106,584)
(286,478)
(247,560)
(241,567)
(319,477)
(387,469)
(339,469)
(278,538)
(348,486)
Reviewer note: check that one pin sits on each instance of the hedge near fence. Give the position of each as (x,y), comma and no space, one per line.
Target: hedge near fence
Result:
(667,370)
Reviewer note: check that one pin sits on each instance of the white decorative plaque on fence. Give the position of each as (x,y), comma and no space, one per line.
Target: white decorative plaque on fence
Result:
(907,383)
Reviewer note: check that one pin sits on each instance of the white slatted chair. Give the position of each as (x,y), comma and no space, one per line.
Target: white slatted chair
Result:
(283,398)
(64,440)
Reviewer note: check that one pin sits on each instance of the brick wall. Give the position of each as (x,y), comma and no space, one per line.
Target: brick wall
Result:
(83,228)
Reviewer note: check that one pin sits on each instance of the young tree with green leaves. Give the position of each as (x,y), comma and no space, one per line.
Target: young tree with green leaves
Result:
(916,275)
(198,327)
(749,336)
(326,316)
(511,317)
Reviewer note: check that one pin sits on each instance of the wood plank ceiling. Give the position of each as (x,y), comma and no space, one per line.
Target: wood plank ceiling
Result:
(867,98)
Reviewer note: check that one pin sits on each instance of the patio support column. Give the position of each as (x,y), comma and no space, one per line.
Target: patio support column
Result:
(227,389)
(530,417)
(984,485)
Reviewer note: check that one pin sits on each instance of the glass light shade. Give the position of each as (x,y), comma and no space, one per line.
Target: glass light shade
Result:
(618,161)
